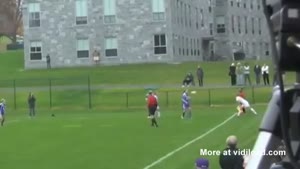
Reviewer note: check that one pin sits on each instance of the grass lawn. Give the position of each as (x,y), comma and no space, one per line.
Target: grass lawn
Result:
(115,132)
(138,74)
(118,139)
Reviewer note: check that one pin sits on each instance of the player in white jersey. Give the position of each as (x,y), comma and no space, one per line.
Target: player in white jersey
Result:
(243,105)
(157,112)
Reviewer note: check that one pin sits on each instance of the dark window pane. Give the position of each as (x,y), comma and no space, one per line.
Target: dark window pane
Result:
(35,56)
(160,50)
(111,52)
(32,49)
(37,16)
(83,54)
(38,49)
(81,20)
(163,40)
(198,52)
(156,40)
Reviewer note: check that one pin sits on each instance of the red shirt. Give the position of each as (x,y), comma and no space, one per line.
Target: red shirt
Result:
(242,95)
(152,101)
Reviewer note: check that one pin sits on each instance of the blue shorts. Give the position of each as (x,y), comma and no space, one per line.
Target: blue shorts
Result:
(185,106)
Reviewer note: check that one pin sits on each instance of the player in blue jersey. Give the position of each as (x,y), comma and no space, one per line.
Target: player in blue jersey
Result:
(2,112)
(186,105)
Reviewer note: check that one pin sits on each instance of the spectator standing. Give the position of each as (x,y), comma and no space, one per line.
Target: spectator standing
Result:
(257,71)
(48,60)
(265,74)
(31,104)
(96,56)
(240,74)
(247,74)
(232,74)
(200,75)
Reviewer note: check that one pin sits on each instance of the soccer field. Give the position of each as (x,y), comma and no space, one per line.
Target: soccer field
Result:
(120,138)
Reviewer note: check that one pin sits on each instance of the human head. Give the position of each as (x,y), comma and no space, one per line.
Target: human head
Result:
(3,101)
(232,64)
(150,92)
(231,141)
(202,163)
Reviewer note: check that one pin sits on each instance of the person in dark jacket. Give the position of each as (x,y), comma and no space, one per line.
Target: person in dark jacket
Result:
(31,104)
(200,75)
(257,71)
(230,157)
(232,74)
(48,61)
(188,80)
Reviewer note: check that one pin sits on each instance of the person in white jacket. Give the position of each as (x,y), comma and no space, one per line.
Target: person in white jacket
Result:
(265,74)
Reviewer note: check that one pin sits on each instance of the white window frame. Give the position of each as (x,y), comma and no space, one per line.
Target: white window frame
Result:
(36,44)
(81,47)
(158,10)
(109,11)
(111,45)
(81,12)
(35,10)
(160,44)
(220,22)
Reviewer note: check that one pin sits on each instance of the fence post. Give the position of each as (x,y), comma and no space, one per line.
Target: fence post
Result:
(15,94)
(209,97)
(50,93)
(167,98)
(253,97)
(127,102)
(89,92)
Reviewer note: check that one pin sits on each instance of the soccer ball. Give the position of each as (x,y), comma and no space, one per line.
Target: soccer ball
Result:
(193,92)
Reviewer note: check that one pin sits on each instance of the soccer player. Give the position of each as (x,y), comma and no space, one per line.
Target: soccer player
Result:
(185,99)
(152,106)
(242,93)
(2,112)
(157,112)
(243,105)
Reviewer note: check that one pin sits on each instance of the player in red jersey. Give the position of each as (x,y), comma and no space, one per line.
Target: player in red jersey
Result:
(152,107)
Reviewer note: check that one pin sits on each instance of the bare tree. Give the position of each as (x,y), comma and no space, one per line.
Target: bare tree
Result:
(11,14)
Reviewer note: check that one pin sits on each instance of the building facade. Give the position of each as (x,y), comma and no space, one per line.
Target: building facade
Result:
(241,27)
(134,31)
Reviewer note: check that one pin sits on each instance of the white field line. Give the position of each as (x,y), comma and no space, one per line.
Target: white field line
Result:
(188,143)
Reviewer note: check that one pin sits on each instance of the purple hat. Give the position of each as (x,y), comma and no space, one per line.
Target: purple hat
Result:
(202,163)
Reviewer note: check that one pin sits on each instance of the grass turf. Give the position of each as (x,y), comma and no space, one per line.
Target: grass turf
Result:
(136,74)
(113,139)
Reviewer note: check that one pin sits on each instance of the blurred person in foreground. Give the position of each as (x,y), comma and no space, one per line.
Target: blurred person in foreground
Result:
(230,157)
(2,112)
(202,163)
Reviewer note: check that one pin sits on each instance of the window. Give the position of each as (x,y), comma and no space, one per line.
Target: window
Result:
(36,50)
(111,47)
(158,9)
(190,16)
(182,11)
(245,5)
(109,11)
(220,24)
(251,4)
(187,47)
(83,48)
(34,15)
(258,4)
(211,30)
(178,12)
(238,3)
(81,12)
(191,44)
(185,14)
(160,45)
(259,26)
(246,24)
(202,19)
(197,18)
(239,24)
(253,27)
(232,24)
(267,49)
(231,3)
(209,9)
